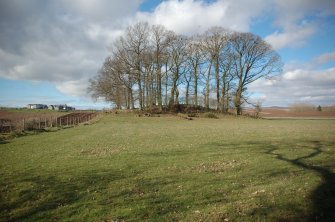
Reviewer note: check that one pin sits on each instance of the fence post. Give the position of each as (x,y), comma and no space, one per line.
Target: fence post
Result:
(24,124)
(39,123)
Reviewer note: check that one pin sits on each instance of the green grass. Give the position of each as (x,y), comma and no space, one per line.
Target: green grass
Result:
(171,169)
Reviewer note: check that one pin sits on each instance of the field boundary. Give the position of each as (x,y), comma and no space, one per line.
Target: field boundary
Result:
(40,123)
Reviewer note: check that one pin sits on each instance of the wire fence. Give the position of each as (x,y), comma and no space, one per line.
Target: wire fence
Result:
(39,123)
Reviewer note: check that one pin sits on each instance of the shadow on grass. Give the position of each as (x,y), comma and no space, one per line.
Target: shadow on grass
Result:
(38,195)
(35,197)
(48,198)
(42,197)
(323,196)
(2,141)
(3,138)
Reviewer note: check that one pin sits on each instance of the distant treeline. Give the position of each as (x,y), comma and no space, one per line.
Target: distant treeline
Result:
(151,66)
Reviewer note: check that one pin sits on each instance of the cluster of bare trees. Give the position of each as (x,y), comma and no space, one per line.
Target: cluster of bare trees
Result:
(152,66)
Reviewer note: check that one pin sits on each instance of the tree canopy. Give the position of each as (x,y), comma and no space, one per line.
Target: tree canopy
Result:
(151,66)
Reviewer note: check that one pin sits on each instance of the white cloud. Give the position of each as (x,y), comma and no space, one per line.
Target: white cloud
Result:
(76,88)
(291,18)
(59,41)
(324,58)
(191,16)
(291,38)
(65,42)
(101,10)
(300,82)
(292,74)
(316,63)
(309,86)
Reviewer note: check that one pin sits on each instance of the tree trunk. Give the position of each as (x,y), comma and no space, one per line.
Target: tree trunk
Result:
(173,90)
(187,93)
(171,102)
(152,94)
(147,96)
(238,101)
(177,97)
(223,97)
(166,90)
(223,92)
(140,93)
(207,87)
(196,86)
(159,87)
(126,98)
(131,98)
(217,75)
(227,98)
(166,85)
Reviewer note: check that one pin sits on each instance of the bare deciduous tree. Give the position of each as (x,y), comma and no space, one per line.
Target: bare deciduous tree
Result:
(160,38)
(146,60)
(107,85)
(178,61)
(214,41)
(253,59)
(196,59)
(136,44)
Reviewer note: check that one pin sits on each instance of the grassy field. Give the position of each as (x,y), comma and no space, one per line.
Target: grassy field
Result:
(126,168)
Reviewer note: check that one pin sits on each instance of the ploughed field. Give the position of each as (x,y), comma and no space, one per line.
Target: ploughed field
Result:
(290,113)
(127,168)
(19,120)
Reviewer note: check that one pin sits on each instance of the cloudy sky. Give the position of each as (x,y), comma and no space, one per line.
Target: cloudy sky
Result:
(50,48)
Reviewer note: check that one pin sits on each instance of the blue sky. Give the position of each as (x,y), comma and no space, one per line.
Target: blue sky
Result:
(49,50)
